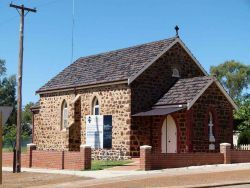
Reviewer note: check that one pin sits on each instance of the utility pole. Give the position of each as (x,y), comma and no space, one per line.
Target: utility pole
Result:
(22,10)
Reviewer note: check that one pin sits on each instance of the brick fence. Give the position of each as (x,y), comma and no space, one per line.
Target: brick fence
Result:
(151,160)
(52,159)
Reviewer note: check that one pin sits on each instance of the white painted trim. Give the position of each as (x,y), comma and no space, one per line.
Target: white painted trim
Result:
(190,104)
(226,94)
(83,87)
(76,99)
(192,56)
(132,78)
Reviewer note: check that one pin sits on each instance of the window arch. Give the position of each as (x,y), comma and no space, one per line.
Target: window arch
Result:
(64,115)
(95,107)
(175,73)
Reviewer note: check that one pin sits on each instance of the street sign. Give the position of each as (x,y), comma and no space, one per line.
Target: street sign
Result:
(6,111)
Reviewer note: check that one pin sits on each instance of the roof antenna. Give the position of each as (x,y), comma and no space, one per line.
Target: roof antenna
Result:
(176,30)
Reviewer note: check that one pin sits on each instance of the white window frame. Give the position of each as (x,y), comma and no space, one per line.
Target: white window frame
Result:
(64,120)
(95,106)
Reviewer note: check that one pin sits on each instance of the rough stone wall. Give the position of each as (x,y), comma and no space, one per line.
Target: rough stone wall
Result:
(114,100)
(141,133)
(48,134)
(192,125)
(214,101)
(152,84)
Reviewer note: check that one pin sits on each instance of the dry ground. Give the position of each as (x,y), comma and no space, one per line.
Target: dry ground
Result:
(27,179)
(191,180)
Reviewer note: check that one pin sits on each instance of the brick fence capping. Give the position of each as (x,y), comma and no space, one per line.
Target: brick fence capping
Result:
(74,160)
(225,149)
(145,157)
(156,160)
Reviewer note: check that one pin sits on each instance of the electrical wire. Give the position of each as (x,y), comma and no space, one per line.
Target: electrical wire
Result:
(72,34)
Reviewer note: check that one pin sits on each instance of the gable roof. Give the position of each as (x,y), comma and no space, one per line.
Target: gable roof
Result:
(188,90)
(107,67)
(119,65)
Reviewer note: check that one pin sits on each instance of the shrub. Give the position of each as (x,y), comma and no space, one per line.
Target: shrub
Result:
(244,137)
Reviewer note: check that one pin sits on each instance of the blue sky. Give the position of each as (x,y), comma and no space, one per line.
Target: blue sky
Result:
(213,30)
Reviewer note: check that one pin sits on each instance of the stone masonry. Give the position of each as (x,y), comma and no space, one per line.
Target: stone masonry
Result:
(192,125)
(122,101)
(151,85)
(114,100)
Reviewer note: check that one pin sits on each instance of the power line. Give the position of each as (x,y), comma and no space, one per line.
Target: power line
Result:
(72,34)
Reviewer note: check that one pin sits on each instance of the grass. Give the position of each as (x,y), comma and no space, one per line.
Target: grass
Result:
(100,165)
(10,149)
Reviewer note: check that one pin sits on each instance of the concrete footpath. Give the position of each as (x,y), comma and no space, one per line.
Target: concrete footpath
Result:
(103,174)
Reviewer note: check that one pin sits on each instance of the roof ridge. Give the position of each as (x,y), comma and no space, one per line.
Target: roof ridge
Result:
(125,48)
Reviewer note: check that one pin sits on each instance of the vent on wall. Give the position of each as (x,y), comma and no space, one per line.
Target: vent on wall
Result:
(176,73)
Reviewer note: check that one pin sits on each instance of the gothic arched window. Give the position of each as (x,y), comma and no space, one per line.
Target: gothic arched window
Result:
(96,107)
(64,115)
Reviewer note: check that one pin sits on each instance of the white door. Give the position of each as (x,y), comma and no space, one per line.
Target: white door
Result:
(169,136)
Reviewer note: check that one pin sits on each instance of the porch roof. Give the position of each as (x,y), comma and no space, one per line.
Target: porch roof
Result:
(161,111)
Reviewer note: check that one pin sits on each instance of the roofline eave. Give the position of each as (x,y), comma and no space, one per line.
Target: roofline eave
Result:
(214,80)
(72,88)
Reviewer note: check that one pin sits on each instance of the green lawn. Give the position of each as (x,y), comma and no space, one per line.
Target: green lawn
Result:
(100,165)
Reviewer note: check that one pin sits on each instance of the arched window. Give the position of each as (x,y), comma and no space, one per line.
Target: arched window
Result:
(176,73)
(211,135)
(64,115)
(96,107)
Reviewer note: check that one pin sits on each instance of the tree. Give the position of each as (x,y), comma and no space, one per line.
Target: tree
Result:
(27,118)
(10,130)
(8,98)
(2,67)
(234,76)
(242,116)
(244,137)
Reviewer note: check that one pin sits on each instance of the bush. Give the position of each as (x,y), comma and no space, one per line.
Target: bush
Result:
(244,137)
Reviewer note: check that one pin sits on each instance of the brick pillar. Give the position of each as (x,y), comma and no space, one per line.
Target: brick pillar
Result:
(145,157)
(86,154)
(30,148)
(225,148)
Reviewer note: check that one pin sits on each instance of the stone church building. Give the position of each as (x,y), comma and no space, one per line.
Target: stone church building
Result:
(157,94)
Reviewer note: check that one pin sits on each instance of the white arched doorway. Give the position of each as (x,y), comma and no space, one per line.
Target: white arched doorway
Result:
(169,136)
